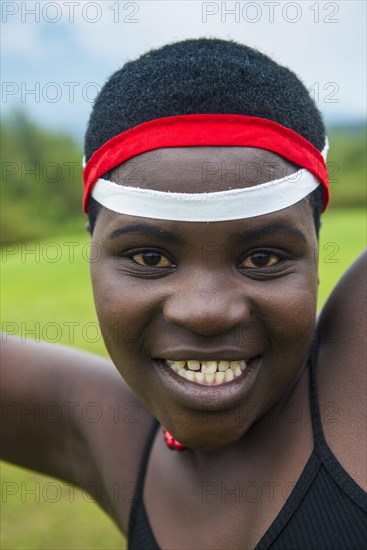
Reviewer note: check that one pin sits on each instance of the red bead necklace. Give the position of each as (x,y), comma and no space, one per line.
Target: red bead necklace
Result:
(172,443)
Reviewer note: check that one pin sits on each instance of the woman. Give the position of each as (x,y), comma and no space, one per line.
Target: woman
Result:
(204,185)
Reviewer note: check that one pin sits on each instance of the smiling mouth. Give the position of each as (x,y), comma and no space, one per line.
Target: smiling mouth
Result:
(207,373)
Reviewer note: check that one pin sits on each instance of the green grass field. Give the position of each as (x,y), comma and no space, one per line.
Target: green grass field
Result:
(46,294)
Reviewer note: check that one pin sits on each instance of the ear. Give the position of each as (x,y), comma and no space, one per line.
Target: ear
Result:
(88,227)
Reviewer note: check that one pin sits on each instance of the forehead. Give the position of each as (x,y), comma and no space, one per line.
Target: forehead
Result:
(292,224)
(202,169)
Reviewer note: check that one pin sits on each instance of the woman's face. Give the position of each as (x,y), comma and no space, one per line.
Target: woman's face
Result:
(181,304)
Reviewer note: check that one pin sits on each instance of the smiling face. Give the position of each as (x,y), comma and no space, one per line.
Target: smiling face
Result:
(208,323)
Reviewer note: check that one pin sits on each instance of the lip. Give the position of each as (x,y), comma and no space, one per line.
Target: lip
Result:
(198,396)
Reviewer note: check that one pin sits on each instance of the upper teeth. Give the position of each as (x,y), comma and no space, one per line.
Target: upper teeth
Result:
(208,372)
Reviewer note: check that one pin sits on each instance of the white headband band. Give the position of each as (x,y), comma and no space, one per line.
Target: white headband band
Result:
(229,205)
(219,206)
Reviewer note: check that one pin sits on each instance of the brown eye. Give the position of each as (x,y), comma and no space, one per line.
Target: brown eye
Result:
(260,259)
(152,259)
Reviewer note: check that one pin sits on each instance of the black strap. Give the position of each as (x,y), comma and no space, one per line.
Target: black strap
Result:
(138,494)
(318,434)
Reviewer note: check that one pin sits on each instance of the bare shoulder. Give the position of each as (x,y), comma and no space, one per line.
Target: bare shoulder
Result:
(342,380)
(342,328)
(69,414)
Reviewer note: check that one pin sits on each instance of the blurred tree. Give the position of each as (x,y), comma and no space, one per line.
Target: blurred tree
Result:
(41,181)
(347,166)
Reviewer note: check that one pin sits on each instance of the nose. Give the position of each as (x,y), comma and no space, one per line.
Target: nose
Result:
(207,307)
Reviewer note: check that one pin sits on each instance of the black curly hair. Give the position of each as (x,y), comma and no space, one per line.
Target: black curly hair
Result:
(203,76)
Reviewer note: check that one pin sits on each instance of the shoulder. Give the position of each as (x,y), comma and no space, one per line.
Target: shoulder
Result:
(341,378)
(344,312)
(114,427)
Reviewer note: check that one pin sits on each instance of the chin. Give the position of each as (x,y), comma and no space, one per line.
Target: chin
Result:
(211,434)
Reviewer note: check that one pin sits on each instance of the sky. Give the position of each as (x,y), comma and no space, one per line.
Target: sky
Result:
(56,55)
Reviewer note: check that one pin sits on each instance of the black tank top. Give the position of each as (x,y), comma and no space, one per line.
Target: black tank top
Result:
(326,510)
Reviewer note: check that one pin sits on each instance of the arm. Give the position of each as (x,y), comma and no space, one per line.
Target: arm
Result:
(70,415)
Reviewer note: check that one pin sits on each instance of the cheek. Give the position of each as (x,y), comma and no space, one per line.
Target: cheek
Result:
(287,326)
(123,307)
(287,316)
(295,315)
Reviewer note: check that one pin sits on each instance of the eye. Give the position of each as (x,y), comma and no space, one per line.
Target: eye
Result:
(152,259)
(260,259)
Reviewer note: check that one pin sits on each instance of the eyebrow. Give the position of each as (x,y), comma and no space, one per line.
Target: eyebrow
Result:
(272,228)
(147,229)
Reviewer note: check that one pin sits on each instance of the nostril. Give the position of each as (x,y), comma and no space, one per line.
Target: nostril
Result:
(204,317)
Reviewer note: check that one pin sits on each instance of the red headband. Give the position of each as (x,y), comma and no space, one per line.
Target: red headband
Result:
(206,130)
